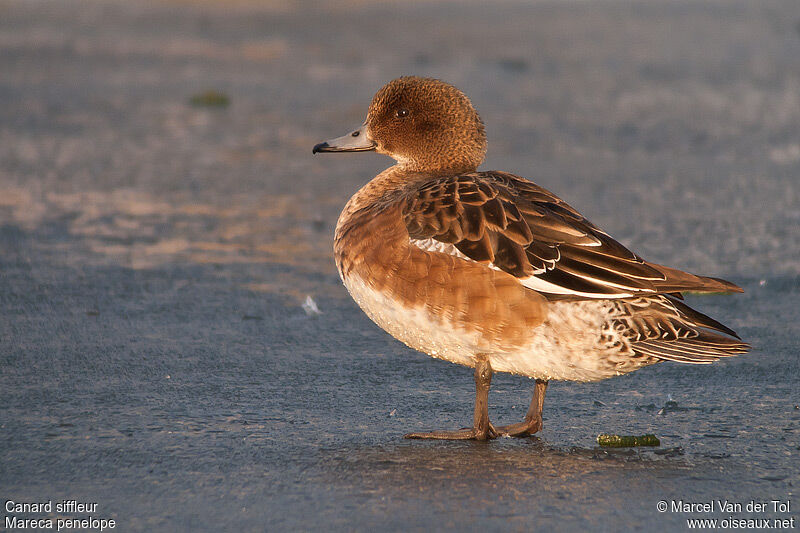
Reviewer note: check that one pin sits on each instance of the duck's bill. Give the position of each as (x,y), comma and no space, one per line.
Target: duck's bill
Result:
(356,141)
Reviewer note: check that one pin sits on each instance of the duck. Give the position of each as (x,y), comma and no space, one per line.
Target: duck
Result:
(488,270)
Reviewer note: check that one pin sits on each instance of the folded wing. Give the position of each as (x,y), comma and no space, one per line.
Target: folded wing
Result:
(514,225)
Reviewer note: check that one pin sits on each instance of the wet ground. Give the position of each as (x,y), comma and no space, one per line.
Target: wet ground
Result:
(155,355)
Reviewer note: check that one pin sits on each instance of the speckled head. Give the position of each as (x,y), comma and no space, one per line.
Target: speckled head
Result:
(426,125)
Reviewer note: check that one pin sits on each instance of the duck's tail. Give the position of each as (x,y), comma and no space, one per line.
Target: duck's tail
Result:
(702,350)
(665,328)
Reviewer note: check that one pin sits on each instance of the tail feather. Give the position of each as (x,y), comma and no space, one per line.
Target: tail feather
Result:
(701,319)
(661,351)
(685,351)
(668,329)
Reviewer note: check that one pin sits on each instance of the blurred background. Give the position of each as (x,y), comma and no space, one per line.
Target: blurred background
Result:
(175,343)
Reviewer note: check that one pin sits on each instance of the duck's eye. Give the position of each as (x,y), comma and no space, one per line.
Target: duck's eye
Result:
(401,113)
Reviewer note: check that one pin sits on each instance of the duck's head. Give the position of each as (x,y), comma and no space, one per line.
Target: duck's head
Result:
(426,125)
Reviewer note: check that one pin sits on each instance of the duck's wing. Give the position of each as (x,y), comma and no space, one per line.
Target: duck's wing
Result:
(516,226)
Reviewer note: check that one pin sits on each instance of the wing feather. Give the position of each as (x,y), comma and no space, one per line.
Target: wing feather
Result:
(530,233)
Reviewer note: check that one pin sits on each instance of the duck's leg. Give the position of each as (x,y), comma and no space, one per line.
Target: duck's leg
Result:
(481,428)
(533,419)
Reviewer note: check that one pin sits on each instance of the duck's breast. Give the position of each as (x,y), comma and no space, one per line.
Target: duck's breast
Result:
(440,304)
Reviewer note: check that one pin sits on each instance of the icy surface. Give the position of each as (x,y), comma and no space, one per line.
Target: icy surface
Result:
(155,354)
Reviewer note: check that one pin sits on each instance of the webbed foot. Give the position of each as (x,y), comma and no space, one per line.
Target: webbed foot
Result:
(486,433)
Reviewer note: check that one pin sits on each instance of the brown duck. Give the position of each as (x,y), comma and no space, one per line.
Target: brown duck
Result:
(489,270)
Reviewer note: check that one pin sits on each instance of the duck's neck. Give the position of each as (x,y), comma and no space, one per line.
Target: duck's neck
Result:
(449,168)
(391,179)
(386,185)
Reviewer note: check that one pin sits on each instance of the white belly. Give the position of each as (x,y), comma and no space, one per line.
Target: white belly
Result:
(574,343)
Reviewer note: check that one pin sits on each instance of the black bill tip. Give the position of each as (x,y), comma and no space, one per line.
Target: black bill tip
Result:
(321,147)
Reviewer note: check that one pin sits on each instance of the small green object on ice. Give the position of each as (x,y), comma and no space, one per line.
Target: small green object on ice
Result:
(625,441)
(210,98)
